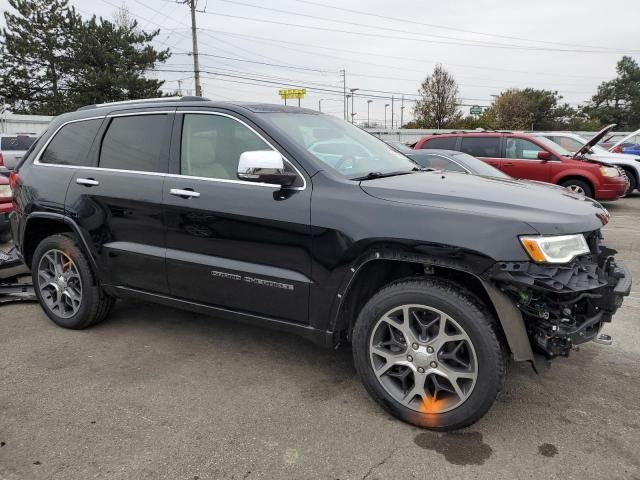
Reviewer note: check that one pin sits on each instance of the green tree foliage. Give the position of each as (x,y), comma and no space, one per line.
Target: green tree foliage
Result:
(618,100)
(110,62)
(438,105)
(53,61)
(36,49)
(527,109)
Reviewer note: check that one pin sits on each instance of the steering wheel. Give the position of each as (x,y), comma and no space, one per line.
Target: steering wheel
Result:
(344,160)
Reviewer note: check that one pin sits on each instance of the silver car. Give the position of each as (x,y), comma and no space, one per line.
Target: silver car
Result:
(13,147)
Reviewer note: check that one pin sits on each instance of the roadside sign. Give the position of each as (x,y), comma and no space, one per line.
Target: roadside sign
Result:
(288,93)
(476,110)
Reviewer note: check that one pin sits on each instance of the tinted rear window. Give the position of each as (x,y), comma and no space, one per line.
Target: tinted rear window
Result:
(481,146)
(135,143)
(445,143)
(71,144)
(20,142)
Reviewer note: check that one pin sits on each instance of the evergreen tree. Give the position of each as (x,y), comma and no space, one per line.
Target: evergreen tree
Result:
(53,61)
(35,48)
(110,63)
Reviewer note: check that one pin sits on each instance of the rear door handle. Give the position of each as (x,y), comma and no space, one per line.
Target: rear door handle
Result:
(87,182)
(178,192)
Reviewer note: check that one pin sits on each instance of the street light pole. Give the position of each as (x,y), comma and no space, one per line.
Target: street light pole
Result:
(368,117)
(386,105)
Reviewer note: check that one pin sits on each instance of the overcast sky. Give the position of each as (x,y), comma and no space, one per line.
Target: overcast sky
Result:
(569,46)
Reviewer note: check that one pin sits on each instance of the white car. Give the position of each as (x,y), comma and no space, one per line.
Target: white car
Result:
(579,145)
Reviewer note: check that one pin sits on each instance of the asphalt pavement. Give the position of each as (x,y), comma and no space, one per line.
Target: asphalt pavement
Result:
(157,393)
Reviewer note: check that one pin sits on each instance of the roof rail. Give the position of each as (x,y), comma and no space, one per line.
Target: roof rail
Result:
(186,98)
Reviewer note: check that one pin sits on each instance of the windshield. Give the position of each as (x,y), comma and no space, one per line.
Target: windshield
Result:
(553,146)
(477,166)
(343,147)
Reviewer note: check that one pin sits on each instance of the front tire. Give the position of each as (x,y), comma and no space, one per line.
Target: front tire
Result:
(428,352)
(578,186)
(65,284)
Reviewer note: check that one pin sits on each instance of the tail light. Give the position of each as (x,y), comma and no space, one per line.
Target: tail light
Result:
(13,180)
(1,160)
(617,149)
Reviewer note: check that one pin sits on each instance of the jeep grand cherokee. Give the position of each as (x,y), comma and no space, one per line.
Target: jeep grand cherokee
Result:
(288,218)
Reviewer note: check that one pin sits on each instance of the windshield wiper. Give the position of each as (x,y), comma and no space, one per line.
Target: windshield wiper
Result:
(372,175)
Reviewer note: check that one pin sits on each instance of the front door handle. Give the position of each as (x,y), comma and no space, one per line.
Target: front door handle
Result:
(186,193)
(508,164)
(87,182)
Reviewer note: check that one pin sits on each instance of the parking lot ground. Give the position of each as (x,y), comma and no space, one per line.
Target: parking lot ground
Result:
(157,393)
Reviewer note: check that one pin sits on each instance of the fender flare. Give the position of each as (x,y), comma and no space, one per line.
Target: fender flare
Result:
(69,222)
(509,316)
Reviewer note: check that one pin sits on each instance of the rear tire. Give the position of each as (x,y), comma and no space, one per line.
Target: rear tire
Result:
(65,284)
(408,363)
(579,186)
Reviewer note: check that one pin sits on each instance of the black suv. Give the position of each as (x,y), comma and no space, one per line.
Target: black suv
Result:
(300,221)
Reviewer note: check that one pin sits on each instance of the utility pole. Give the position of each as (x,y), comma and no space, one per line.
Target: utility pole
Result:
(386,105)
(320,105)
(392,112)
(346,102)
(194,38)
(353,95)
(368,116)
(402,112)
(345,105)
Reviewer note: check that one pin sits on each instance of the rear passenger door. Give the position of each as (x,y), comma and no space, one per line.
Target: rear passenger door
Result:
(486,148)
(521,160)
(118,202)
(230,243)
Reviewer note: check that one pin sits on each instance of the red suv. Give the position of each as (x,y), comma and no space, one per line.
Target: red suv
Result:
(535,158)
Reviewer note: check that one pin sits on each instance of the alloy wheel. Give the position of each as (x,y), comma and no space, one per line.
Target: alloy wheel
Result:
(423,358)
(59,283)
(576,189)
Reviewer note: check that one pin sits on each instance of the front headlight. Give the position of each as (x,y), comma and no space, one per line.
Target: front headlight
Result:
(609,171)
(558,249)
(5,191)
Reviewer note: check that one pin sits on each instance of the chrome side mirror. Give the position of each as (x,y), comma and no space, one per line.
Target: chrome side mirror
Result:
(264,166)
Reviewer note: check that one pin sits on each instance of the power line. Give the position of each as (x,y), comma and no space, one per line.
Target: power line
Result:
(378,35)
(443,27)
(396,57)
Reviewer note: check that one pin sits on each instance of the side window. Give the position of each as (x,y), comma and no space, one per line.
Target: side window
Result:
(71,144)
(438,162)
(444,143)
(519,148)
(212,144)
(570,144)
(481,146)
(135,143)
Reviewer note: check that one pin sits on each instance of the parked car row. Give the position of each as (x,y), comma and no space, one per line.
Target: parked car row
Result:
(298,220)
(538,157)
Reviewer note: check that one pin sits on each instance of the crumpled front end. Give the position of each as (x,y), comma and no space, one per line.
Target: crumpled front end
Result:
(564,305)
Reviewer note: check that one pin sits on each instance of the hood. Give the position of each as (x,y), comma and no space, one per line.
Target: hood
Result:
(637,132)
(594,140)
(548,210)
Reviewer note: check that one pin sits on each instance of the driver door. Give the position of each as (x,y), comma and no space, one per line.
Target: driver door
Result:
(231,243)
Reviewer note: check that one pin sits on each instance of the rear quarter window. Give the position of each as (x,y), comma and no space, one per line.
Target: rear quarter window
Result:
(443,143)
(71,145)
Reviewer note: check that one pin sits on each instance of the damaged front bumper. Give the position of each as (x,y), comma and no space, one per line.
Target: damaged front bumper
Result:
(565,305)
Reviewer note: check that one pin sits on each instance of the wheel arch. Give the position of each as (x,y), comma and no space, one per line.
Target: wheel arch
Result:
(376,272)
(40,225)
